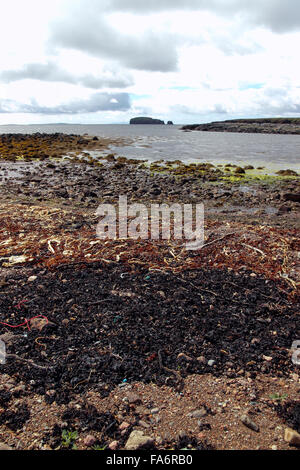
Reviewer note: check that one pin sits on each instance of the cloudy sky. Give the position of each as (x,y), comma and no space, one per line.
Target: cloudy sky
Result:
(105,61)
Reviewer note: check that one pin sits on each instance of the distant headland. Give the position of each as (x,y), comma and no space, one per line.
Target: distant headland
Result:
(257,126)
(148,120)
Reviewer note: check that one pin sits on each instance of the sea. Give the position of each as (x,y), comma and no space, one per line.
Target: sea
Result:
(158,142)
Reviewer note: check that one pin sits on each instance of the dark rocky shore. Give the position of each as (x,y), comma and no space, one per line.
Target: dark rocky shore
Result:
(130,344)
(256,126)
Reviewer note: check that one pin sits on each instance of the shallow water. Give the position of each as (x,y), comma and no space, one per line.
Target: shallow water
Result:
(170,143)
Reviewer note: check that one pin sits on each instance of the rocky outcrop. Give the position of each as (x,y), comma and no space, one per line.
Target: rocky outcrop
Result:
(256,126)
(170,123)
(145,120)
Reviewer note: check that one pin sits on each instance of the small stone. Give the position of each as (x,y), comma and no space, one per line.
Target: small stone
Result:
(184,356)
(292,437)
(38,323)
(89,441)
(133,398)
(211,363)
(113,445)
(144,424)
(268,358)
(198,413)
(154,411)
(5,446)
(141,410)
(274,447)
(137,441)
(124,426)
(32,278)
(249,423)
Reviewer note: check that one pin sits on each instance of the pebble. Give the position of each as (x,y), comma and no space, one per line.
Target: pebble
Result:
(137,440)
(267,358)
(38,323)
(144,424)
(113,445)
(89,441)
(184,356)
(198,413)
(133,398)
(249,423)
(211,363)
(124,426)
(32,278)
(154,411)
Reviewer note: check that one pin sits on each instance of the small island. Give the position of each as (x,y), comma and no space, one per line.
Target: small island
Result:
(146,120)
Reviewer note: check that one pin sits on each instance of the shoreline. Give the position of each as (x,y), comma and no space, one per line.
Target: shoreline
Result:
(143,335)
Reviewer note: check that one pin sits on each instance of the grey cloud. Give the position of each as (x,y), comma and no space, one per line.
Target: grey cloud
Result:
(279,109)
(220,109)
(234,47)
(278,15)
(87,29)
(50,72)
(275,92)
(90,33)
(182,109)
(277,101)
(96,102)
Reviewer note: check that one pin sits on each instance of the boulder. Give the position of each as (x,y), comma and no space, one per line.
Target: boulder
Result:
(292,437)
(137,440)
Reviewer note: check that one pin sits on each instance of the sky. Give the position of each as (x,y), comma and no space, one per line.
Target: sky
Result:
(189,61)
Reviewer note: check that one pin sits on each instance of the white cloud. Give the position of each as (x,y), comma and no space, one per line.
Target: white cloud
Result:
(185,60)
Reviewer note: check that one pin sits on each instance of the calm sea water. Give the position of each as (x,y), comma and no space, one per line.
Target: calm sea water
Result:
(170,143)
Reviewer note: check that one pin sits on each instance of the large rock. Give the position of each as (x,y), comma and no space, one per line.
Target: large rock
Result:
(145,120)
(137,440)
(4,446)
(292,437)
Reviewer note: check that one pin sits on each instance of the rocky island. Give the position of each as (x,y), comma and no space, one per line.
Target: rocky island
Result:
(257,126)
(146,120)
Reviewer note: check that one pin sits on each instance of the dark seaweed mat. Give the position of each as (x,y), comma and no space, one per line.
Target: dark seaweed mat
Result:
(88,419)
(15,419)
(110,338)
